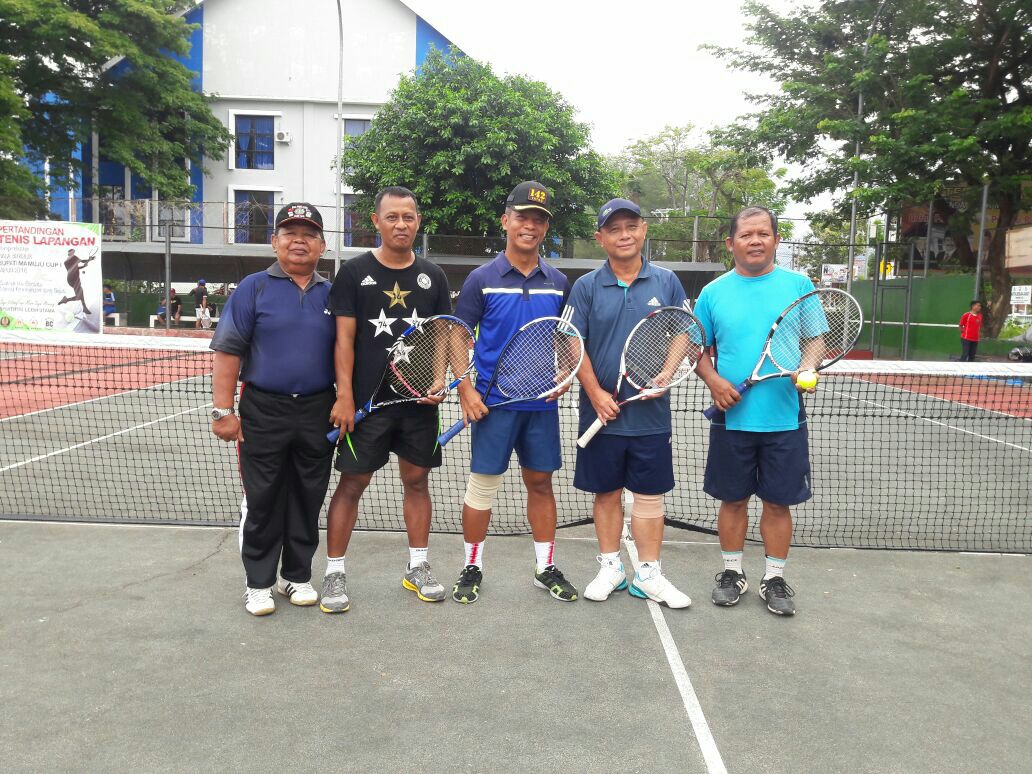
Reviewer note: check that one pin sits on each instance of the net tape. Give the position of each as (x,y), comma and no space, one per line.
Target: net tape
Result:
(904,455)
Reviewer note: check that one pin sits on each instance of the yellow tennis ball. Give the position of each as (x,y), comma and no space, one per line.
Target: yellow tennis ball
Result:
(807,379)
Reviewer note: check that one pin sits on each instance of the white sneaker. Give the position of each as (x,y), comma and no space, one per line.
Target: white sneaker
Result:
(259,601)
(611,577)
(301,594)
(657,588)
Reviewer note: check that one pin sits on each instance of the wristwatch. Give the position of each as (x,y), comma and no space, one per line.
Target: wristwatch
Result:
(217,413)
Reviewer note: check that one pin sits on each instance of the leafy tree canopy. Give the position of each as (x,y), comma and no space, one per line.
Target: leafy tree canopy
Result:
(461,139)
(947,101)
(61,77)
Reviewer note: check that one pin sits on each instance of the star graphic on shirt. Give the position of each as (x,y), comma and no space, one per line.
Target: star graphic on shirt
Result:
(414,320)
(401,353)
(383,324)
(397,296)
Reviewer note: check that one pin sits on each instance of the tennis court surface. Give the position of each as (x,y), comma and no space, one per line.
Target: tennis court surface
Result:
(127,647)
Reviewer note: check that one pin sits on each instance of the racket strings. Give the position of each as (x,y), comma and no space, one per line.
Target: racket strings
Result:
(816,331)
(430,358)
(539,358)
(663,350)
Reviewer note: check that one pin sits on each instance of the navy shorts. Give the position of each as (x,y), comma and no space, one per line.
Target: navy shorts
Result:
(533,435)
(408,430)
(773,466)
(641,463)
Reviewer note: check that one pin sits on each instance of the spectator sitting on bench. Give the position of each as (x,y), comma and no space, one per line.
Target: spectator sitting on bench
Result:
(109,301)
(177,307)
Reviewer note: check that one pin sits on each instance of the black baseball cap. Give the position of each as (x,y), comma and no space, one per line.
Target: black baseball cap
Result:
(614,206)
(300,211)
(530,195)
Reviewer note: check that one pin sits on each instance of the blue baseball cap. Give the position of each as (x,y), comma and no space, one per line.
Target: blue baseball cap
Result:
(200,282)
(614,206)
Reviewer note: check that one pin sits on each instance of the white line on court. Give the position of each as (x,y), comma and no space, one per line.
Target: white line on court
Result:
(708,745)
(937,422)
(99,439)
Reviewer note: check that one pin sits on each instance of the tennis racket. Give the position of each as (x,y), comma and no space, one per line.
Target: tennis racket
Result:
(661,351)
(419,364)
(540,359)
(206,318)
(816,330)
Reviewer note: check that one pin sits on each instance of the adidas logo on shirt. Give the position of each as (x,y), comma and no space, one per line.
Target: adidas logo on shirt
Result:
(654,301)
(368,281)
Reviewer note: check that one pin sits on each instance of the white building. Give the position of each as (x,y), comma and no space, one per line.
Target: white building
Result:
(273,67)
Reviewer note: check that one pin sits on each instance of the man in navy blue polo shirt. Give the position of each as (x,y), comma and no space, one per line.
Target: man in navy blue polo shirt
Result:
(498,297)
(275,335)
(633,452)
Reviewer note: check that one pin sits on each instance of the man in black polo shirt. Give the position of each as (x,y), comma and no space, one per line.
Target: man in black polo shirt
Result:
(284,357)
(375,297)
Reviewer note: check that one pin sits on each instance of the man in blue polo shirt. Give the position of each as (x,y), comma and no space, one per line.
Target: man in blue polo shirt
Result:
(758,444)
(275,335)
(633,451)
(498,297)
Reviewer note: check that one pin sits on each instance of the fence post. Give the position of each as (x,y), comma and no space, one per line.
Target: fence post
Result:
(695,240)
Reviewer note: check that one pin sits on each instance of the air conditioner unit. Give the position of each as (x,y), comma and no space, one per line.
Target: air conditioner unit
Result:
(282,136)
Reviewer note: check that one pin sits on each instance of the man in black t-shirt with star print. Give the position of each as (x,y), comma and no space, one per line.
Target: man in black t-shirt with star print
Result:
(375,297)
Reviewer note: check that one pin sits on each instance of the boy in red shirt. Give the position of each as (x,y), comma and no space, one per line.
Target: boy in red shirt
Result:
(970,329)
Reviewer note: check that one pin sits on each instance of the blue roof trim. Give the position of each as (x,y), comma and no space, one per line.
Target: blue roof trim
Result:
(428,36)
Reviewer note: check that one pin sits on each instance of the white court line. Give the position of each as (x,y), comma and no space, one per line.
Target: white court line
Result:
(99,439)
(708,745)
(935,421)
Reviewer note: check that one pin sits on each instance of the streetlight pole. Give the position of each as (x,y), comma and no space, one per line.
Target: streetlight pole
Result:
(340,133)
(856,172)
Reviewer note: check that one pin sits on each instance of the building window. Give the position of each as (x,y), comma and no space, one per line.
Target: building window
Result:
(255,142)
(253,217)
(353,127)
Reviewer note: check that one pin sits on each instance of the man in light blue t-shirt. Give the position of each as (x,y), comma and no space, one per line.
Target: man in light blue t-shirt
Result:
(758,443)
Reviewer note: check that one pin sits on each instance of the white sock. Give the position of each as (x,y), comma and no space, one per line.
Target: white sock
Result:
(475,554)
(334,564)
(416,556)
(732,560)
(544,553)
(775,568)
(613,558)
(646,569)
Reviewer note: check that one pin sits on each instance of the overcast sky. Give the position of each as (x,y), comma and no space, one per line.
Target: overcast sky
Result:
(630,68)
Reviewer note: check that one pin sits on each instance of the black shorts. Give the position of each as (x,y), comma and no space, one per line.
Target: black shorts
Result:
(408,430)
(773,466)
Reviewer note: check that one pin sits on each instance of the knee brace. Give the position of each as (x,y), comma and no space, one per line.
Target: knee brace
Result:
(481,490)
(647,506)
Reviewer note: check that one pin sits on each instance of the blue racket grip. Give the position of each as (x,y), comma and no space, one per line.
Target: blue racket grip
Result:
(712,411)
(334,434)
(451,432)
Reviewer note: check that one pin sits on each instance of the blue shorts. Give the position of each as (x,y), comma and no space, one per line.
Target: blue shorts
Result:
(773,466)
(641,463)
(534,435)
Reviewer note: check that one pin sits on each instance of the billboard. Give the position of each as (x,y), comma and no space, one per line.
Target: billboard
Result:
(50,277)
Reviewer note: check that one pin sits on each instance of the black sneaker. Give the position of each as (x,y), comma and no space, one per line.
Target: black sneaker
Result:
(467,588)
(730,587)
(777,594)
(552,580)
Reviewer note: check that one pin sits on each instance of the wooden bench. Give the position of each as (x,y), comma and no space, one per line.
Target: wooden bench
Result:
(182,319)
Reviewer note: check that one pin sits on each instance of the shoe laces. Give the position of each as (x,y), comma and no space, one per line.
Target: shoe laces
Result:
(469,573)
(337,585)
(610,564)
(777,587)
(257,595)
(552,575)
(422,574)
(727,578)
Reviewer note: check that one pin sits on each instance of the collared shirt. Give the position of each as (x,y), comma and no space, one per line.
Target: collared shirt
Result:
(737,312)
(605,310)
(282,332)
(497,299)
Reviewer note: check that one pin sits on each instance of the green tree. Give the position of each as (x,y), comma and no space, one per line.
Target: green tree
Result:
(828,242)
(461,138)
(72,66)
(674,173)
(948,101)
